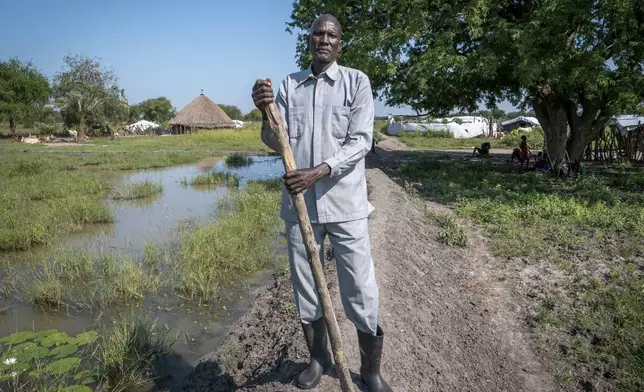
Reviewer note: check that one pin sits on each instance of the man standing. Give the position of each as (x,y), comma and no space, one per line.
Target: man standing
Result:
(329,116)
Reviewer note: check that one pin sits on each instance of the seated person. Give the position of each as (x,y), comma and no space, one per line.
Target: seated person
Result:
(522,154)
(484,150)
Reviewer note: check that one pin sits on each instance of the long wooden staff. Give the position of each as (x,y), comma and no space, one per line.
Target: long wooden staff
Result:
(277,125)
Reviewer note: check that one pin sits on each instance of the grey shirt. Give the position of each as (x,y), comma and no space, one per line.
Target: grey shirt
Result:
(329,118)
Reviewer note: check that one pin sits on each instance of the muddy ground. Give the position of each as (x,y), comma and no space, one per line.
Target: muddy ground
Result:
(453,320)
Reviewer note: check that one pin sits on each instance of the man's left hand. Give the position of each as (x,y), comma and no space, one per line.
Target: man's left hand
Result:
(299,180)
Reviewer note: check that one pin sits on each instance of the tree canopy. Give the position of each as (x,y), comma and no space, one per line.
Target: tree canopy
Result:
(23,91)
(253,115)
(232,111)
(88,94)
(159,110)
(575,62)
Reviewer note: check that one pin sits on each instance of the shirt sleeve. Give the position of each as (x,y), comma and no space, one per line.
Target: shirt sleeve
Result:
(268,136)
(360,133)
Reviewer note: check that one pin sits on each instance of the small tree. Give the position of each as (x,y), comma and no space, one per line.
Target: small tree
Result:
(232,111)
(88,94)
(159,110)
(23,91)
(253,115)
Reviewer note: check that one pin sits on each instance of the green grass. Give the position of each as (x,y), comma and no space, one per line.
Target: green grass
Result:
(451,234)
(127,353)
(441,141)
(240,243)
(137,190)
(578,226)
(223,179)
(80,279)
(238,161)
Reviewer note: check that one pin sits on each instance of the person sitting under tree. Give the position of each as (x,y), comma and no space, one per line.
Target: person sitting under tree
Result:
(484,150)
(522,154)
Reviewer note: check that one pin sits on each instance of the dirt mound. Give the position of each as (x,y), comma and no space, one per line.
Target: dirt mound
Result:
(451,321)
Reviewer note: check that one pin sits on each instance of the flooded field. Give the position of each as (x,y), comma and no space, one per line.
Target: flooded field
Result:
(141,226)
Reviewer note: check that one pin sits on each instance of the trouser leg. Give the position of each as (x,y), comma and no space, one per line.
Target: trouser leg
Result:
(356,274)
(305,295)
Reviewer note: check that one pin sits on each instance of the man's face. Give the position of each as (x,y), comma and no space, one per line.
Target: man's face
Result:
(325,41)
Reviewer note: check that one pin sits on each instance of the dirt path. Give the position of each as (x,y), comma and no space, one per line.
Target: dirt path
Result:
(450,322)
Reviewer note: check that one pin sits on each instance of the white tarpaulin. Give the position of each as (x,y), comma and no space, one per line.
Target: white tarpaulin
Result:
(140,126)
(471,126)
(238,124)
(625,124)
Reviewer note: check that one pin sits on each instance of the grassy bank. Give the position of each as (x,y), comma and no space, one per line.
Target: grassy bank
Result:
(590,230)
(223,179)
(241,242)
(137,190)
(45,191)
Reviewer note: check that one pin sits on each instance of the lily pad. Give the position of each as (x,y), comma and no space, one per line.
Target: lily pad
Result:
(56,339)
(84,338)
(17,337)
(62,366)
(40,335)
(63,351)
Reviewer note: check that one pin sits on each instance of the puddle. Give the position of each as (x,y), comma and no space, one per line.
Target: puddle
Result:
(155,220)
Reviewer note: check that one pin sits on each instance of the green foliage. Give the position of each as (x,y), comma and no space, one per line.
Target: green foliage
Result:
(513,139)
(158,110)
(253,115)
(88,94)
(46,360)
(238,160)
(232,111)
(137,190)
(214,255)
(23,90)
(214,178)
(451,234)
(439,55)
(127,351)
(84,280)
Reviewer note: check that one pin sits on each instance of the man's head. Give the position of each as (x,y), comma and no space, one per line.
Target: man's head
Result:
(325,39)
(523,138)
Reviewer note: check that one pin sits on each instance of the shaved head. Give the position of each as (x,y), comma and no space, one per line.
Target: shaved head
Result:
(326,18)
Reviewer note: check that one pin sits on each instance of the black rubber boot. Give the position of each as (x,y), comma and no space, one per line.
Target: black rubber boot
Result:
(316,341)
(370,354)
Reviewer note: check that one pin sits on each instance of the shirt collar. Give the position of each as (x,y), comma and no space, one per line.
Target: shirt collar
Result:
(332,72)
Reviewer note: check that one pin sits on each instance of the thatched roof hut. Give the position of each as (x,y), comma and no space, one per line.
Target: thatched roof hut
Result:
(201,113)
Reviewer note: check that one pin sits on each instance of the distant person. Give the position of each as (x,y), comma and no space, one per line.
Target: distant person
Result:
(484,150)
(374,142)
(521,154)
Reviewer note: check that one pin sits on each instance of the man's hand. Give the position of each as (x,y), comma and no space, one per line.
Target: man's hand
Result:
(299,180)
(262,93)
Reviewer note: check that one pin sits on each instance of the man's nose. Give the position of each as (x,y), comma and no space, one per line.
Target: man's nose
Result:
(325,39)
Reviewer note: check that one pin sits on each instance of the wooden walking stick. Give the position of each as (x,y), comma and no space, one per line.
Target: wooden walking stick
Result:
(277,125)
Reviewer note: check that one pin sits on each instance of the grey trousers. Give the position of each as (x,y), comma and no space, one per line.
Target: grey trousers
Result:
(356,275)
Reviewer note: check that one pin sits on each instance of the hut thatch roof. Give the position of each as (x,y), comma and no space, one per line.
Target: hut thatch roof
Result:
(203,113)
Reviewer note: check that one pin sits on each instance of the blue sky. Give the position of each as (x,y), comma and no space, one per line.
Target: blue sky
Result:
(161,48)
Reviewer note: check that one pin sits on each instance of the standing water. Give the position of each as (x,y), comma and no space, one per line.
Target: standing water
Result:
(137,224)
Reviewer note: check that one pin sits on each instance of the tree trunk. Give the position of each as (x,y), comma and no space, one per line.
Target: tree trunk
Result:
(81,128)
(12,126)
(553,120)
(585,128)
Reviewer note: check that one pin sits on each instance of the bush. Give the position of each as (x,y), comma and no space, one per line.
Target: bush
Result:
(51,129)
(535,139)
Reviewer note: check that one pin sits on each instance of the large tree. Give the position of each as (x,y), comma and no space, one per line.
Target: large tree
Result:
(253,115)
(232,111)
(574,62)
(88,94)
(23,91)
(159,110)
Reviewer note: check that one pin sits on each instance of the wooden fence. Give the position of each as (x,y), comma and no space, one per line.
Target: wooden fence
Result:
(612,146)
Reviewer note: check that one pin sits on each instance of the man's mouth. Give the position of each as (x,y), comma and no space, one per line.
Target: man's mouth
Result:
(322,50)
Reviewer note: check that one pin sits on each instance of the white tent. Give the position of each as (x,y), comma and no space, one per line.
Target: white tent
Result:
(625,124)
(519,122)
(140,126)
(469,127)
(238,124)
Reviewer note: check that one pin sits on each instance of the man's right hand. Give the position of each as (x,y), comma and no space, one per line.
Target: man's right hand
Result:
(263,93)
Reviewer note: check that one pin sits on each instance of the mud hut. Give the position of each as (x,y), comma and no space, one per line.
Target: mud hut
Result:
(201,113)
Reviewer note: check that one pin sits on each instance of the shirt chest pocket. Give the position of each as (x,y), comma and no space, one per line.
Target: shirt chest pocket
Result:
(296,121)
(340,121)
